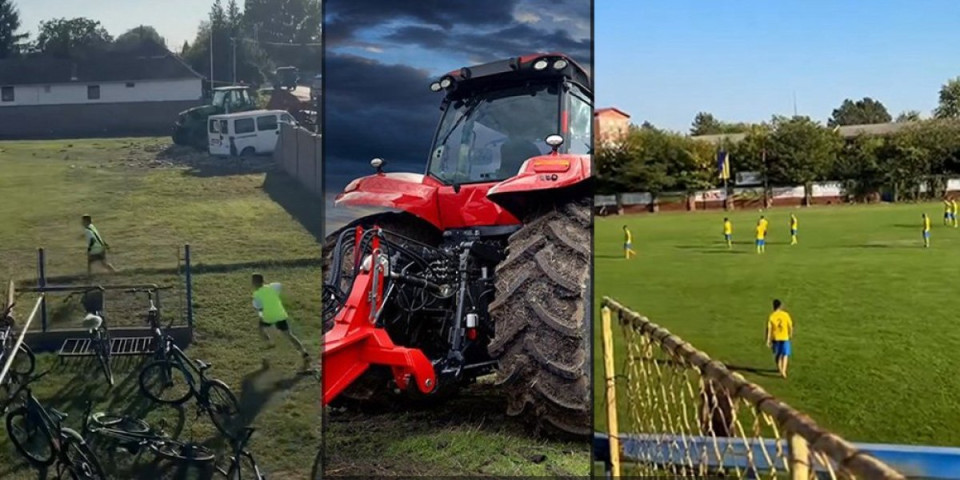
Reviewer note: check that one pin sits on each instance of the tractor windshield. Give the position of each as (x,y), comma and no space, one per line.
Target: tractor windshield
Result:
(487,137)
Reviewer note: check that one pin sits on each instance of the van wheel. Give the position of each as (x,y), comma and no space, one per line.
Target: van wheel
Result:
(248,153)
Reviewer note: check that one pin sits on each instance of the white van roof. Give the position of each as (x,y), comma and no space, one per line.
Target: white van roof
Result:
(250,113)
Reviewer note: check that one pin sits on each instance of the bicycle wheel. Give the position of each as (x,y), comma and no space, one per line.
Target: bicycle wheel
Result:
(79,461)
(244,468)
(25,362)
(30,437)
(183,452)
(103,354)
(222,406)
(167,382)
(122,423)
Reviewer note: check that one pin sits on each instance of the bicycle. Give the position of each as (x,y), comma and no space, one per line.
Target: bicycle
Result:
(38,434)
(24,361)
(152,317)
(213,396)
(242,464)
(134,434)
(97,329)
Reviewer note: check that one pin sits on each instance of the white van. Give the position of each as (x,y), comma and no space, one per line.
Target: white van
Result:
(246,133)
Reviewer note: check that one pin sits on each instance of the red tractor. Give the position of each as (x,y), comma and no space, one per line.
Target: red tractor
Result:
(483,266)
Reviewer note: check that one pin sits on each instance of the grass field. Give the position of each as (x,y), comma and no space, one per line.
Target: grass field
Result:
(146,203)
(876,343)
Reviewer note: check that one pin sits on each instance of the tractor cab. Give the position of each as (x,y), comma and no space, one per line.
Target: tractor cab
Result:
(232,99)
(495,118)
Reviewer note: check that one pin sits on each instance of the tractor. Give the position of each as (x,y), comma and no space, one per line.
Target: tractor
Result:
(479,266)
(191,125)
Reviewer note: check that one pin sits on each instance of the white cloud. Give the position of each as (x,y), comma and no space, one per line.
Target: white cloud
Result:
(526,17)
(373,49)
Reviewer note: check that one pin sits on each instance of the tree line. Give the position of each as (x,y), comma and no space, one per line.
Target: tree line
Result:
(794,151)
(264,35)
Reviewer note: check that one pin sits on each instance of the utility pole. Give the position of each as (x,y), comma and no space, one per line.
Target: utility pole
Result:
(211,58)
(233,40)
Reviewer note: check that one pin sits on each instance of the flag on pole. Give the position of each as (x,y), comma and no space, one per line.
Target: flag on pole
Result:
(723,165)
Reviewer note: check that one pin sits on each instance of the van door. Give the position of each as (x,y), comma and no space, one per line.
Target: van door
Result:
(268,133)
(217,137)
(245,135)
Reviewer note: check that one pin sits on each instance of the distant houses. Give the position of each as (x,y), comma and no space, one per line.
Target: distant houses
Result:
(610,125)
(102,94)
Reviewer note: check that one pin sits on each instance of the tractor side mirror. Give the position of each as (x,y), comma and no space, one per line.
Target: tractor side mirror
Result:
(554,141)
(377,163)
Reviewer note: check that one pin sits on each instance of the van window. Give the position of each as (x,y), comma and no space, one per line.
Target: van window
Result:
(214,126)
(224,126)
(267,122)
(244,125)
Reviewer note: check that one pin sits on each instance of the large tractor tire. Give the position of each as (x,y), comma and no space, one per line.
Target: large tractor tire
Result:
(542,321)
(372,390)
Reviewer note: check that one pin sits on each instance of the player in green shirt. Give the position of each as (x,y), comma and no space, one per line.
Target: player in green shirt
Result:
(266,300)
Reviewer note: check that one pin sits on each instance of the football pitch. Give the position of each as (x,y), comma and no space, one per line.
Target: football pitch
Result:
(876,345)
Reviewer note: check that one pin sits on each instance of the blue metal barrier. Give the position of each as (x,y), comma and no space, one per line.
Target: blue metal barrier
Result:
(935,463)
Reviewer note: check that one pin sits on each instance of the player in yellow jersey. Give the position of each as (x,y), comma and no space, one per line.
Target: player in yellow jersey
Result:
(926,231)
(761,238)
(763,223)
(793,229)
(953,213)
(728,232)
(948,211)
(628,243)
(779,333)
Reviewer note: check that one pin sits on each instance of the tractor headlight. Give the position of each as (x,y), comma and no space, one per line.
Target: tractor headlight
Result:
(560,64)
(435,87)
(445,82)
(541,64)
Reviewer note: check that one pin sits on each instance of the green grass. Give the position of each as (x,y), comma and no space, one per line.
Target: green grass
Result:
(876,344)
(146,205)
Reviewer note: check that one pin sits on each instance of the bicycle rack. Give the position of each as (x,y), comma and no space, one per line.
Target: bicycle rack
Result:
(123,346)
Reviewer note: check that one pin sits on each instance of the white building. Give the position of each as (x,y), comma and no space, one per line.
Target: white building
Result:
(136,92)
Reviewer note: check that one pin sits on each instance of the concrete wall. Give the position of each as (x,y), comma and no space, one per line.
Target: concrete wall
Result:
(110,92)
(299,153)
(91,120)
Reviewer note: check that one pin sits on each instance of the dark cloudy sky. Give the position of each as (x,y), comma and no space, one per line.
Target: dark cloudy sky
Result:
(381,56)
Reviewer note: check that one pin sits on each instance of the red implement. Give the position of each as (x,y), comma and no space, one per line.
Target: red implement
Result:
(355,343)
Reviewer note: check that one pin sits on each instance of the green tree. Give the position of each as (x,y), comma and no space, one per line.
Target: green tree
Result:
(9,25)
(949,105)
(858,167)
(801,152)
(224,28)
(705,124)
(65,38)
(288,30)
(135,37)
(861,112)
(908,116)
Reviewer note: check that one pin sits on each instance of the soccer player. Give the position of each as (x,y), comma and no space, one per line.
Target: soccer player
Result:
(96,247)
(628,243)
(926,231)
(947,211)
(793,229)
(728,232)
(761,238)
(764,223)
(953,212)
(267,303)
(779,333)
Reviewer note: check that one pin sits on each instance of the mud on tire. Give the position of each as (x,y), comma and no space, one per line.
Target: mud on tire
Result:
(542,317)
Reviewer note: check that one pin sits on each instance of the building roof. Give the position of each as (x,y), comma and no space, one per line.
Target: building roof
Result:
(102,67)
(846,131)
(599,111)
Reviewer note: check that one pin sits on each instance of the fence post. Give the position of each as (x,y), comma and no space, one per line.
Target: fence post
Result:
(42,282)
(610,375)
(189,280)
(799,457)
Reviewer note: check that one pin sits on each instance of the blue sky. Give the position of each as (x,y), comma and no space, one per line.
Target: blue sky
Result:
(175,20)
(664,61)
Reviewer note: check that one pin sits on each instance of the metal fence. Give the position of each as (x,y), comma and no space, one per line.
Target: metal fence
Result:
(688,416)
(299,153)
